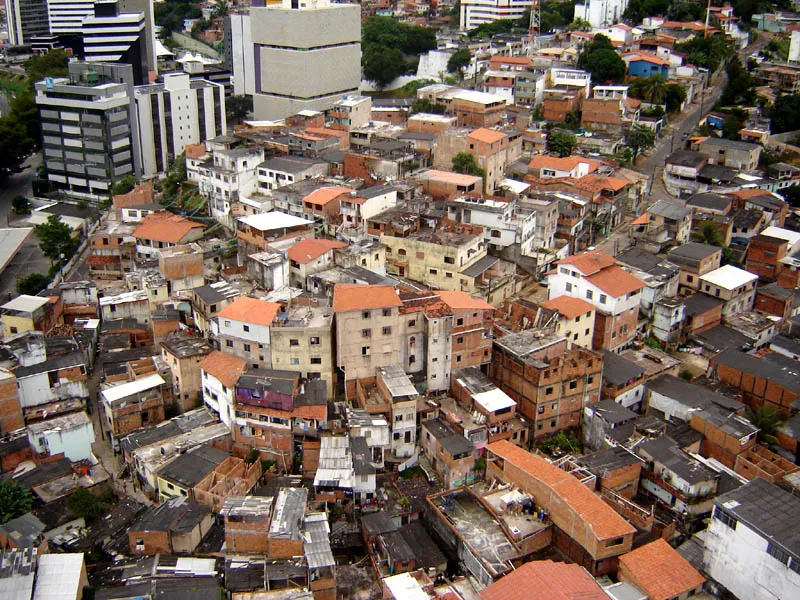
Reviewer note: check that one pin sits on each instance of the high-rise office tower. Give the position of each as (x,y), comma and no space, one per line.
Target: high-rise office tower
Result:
(27,20)
(307,55)
(112,36)
(239,53)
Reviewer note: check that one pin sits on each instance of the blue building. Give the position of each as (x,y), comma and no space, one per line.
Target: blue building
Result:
(644,64)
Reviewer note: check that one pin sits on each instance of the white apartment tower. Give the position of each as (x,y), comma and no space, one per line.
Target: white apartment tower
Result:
(239,53)
(175,113)
(478,12)
(307,55)
(113,36)
(601,13)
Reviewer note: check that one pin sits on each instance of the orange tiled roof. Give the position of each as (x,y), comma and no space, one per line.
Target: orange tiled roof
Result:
(463,301)
(568,306)
(225,367)
(314,411)
(616,281)
(545,580)
(305,251)
(353,296)
(487,136)
(327,132)
(599,517)
(562,164)
(589,262)
(165,227)
(510,60)
(651,58)
(642,220)
(324,195)
(659,571)
(750,193)
(250,310)
(195,150)
(597,183)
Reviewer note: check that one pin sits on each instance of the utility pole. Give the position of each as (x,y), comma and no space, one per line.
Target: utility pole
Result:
(535,28)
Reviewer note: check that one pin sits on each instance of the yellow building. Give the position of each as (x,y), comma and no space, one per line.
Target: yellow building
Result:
(24,313)
(577,319)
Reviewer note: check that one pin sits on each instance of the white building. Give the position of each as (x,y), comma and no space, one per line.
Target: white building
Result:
(735,286)
(307,56)
(71,434)
(219,373)
(173,114)
(404,409)
(477,12)
(751,545)
(365,204)
(501,226)
(238,42)
(601,13)
(374,428)
(284,170)
(243,329)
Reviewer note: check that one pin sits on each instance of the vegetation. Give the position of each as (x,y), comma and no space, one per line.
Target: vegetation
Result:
(639,138)
(55,239)
(768,422)
(706,52)
(601,60)
(21,205)
(465,163)
(238,108)
(124,185)
(487,30)
(32,284)
(740,90)
(561,141)
(785,114)
(792,195)
(653,343)
(639,9)
(560,443)
(386,44)
(458,61)
(656,90)
(170,15)
(554,14)
(686,375)
(708,234)
(83,503)
(423,105)
(15,501)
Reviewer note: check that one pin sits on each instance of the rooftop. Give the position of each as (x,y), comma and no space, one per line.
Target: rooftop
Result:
(165,227)
(690,394)
(545,580)
(454,443)
(290,164)
(348,297)
(58,576)
(225,367)
(273,220)
(125,390)
(687,158)
(660,571)
(667,452)
(669,210)
(694,251)
(187,470)
(178,515)
(616,281)
(287,513)
(619,371)
(729,277)
(184,345)
(25,303)
(568,307)
(304,251)
(250,310)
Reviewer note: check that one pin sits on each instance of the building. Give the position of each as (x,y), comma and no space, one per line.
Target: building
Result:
(129,406)
(239,52)
(71,434)
(219,373)
(28,313)
(601,13)
(736,287)
(751,548)
(550,383)
(545,580)
(660,572)
(243,329)
(308,257)
(695,260)
(27,20)
(180,476)
(183,353)
(451,455)
(623,381)
(174,527)
(111,36)
(478,12)
(164,230)
(89,127)
(734,154)
(284,170)
(284,36)
(615,294)
(172,115)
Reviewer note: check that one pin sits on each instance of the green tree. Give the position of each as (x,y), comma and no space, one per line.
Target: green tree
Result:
(706,52)
(708,234)
(674,97)
(740,89)
(602,61)
(15,501)
(768,422)
(464,162)
(458,61)
(579,25)
(561,142)
(51,64)
(386,32)
(384,65)
(124,185)
(21,205)
(83,503)
(639,138)
(32,284)
(423,105)
(791,195)
(238,108)
(55,238)
(785,114)
(654,89)
(730,127)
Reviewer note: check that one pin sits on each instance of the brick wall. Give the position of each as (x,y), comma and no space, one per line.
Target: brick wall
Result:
(155,542)
(757,390)
(10,411)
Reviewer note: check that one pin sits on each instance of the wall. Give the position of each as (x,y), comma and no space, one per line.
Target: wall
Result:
(75,443)
(383,349)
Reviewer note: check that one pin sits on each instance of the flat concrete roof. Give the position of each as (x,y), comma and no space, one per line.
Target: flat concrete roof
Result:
(11,239)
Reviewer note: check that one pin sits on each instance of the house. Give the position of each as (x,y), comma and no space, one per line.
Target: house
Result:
(586,528)
(246,520)
(256,232)
(111,250)
(182,267)
(617,471)
(550,383)
(577,319)
(726,435)
(764,255)
(129,406)
(164,230)
(207,302)
(175,527)
(742,156)
(671,398)
(660,572)
(442,184)
(669,316)
(623,381)
(61,576)
(668,221)
(323,203)
(751,547)
(550,167)
(345,471)
(55,385)
(615,294)
(736,287)
(219,374)
(183,353)
(243,328)
(695,260)
(545,580)
(29,313)
(180,476)
(451,455)
(600,419)
(644,64)
(283,170)
(660,276)
(71,434)
(308,257)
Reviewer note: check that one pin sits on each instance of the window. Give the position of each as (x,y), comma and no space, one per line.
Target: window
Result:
(614,542)
(449,260)
(398,418)
(313,341)
(448,275)
(365,333)
(589,294)
(387,331)
(603,298)
(365,314)
(13,329)
(387,312)
(412,359)
(294,361)
(412,322)
(364,350)
(294,342)
(689,279)
(590,380)
(460,340)
(540,410)
(316,360)
(228,344)
(548,390)
(433,271)
(246,328)
(568,287)
(246,347)
(573,384)
(725,518)
(552,423)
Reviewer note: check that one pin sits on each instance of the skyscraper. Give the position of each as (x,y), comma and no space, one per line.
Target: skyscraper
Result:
(307,55)
(27,20)
(112,36)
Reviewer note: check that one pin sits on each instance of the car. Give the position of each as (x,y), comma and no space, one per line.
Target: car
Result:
(685,135)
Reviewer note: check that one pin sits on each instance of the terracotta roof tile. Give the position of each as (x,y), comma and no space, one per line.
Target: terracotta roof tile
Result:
(463,301)
(250,310)
(353,296)
(487,136)
(225,367)
(313,411)
(545,580)
(562,164)
(568,306)
(616,281)
(597,183)
(324,195)
(165,227)
(651,58)
(659,571)
(589,262)
(603,521)
(750,193)
(305,251)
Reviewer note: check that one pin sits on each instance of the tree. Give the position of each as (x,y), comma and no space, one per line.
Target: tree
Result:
(740,89)
(124,185)
(561,141)
(21,205)
(708,234)
(458,61)
(730,127)
(579,25)
(465,163)
(238,108)
(768,422)
(32,284)
(640,138)
(423,105)
(785,114)
(791,195)
(654,89)
(674,97)
(55,238)
(602,61)
(83,503)
(15,501)
(383,66)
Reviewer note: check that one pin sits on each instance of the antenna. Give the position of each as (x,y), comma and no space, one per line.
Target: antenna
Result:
(535,25)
